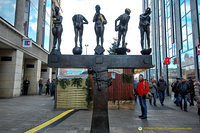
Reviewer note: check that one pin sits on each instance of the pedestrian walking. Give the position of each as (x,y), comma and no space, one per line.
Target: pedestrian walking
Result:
(197,95)
(183,90)
(142,90)
(40,86)
(175,90)
(153,90)
(26,84)
(162,85)
(53,88)
(47,87)
(191,93)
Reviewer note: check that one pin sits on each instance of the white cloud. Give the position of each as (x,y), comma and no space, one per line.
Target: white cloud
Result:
(111,10)
(33,25)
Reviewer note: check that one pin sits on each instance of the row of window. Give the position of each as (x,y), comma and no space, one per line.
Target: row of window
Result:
(7,12)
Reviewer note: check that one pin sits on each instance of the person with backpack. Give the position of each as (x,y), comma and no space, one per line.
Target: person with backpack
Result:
(183,90)
(142,90)
(162,85)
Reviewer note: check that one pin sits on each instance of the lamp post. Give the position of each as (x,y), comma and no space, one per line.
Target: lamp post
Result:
(86,45)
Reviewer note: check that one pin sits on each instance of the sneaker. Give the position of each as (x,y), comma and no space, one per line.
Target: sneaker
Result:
(144,117)
(162,104)
(140,116)
(155,105)
(185,110)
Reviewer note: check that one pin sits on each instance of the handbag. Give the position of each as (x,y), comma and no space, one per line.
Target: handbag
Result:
(148,95)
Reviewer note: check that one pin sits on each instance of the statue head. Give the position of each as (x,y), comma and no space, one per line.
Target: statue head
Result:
(98,8)
(57,9)
(127,11)
(148,10)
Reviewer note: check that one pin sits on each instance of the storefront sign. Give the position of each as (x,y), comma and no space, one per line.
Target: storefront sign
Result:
(167,61)
(27,43)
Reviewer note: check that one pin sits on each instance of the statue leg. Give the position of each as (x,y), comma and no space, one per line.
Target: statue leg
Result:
(76,36)
(142,37)
(54,41)
(60,30)
(148,36)
(119,38)
(80,37)
(97,35)
(123,38)
(102,39)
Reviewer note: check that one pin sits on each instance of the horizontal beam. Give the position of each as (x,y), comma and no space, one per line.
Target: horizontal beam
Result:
(111,61)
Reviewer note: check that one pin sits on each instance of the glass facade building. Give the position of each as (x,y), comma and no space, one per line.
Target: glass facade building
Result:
(175,35)
(7,12)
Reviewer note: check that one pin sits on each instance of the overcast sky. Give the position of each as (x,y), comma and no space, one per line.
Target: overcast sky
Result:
(111,9)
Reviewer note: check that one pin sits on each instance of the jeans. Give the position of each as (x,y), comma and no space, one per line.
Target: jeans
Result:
(177,101)
(40,90)
(154,99)
(143,106)
(183,97)
(136,98)
(161,96)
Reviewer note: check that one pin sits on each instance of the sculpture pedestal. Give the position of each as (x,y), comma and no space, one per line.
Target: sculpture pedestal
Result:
(99,50)
(121,51)
(146,51)
(77,50)
(55,52)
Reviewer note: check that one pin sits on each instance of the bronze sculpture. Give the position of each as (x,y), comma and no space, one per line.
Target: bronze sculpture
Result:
(100,21)
(144,27)
(123,26)
(78,21)
(57,28)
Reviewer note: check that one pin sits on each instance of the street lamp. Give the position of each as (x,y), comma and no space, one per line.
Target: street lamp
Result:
(86,45)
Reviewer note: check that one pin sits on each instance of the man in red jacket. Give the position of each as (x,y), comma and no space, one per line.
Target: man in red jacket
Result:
(142,89)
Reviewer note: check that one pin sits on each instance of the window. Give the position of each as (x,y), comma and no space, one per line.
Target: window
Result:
(33,17)
(47,25)
(186,23)
(187,64)
(198,4)
(187,58)
(7,10)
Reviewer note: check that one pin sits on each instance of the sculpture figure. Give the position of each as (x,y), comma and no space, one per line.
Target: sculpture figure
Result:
(122,27)
(144,27)
(57,28)
(100,21)
(78,21)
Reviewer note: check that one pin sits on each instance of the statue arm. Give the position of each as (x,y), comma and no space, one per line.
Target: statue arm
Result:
(86,22)
(116,21)
(58,21)
(94,18)
(105,21)
(73,19)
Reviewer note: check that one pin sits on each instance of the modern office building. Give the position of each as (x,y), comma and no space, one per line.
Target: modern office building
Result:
(175,34)
(25,42)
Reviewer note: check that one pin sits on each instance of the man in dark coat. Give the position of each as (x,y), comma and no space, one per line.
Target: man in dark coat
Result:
(162,85)
(183,89)
(25,86)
